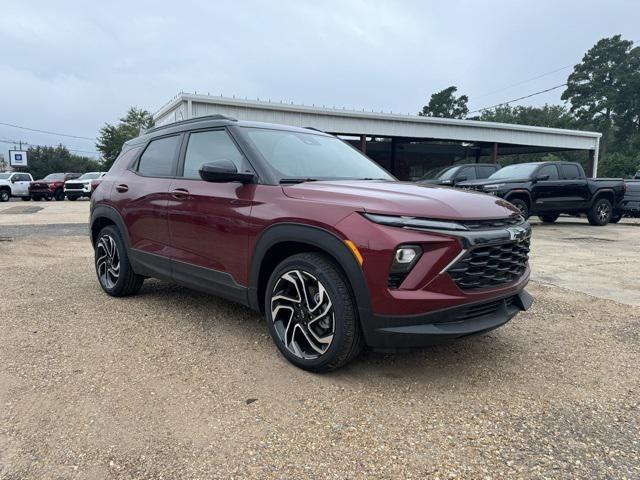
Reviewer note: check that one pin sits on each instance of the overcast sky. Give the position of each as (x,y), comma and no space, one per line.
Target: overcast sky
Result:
(70,66)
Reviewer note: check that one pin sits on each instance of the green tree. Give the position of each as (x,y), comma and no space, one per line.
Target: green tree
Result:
(554,116)
(445,104)
(602,85)
(618,164)
(46,160)
(112,137)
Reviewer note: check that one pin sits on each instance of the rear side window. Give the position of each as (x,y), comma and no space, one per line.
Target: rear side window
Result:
(158,159)
(205,147)
(550,170)
(569,171)
(485,171)
(468,173)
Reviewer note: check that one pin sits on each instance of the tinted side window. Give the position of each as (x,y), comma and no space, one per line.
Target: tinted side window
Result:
(158,159)
(23,178)
(550,170)
(468,172)
(205,147)
(570,171)
(485,171)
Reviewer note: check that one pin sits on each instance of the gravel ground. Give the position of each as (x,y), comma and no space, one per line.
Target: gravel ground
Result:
(176,384)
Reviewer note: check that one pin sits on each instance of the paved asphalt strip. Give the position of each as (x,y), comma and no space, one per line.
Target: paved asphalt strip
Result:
(10,232)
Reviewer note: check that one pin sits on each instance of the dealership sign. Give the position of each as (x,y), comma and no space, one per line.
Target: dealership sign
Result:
(17,158)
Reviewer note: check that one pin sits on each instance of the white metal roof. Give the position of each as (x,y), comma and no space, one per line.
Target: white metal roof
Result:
(353,122)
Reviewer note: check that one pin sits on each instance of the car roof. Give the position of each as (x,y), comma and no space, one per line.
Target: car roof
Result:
(213,121)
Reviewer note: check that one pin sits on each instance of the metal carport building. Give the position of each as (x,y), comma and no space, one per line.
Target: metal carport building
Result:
(403,144)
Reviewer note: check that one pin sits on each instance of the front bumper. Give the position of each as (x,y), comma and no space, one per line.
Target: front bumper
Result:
(391,332)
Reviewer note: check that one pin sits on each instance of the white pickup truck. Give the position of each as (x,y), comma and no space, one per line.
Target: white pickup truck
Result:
(14,184)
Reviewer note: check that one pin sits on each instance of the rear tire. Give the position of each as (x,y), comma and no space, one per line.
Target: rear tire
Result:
(522,206)
(600,212)
(59,195)
(300,287)
(549,218)
(115,275)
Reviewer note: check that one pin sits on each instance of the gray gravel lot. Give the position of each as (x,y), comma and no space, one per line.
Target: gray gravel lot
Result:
(176,384)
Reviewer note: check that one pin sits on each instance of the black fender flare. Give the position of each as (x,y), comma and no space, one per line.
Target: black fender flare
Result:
(517,192)
(321,239)
(600,193)
(107,211)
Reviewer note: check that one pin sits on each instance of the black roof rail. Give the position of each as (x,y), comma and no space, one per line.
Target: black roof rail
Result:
(314,128)
(188,121)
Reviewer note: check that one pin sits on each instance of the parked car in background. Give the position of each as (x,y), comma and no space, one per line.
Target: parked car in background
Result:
(548,189)
(637,175)
(14,184)
(81,186)
(51,186)
(629,206)
(305,228)
(454,174)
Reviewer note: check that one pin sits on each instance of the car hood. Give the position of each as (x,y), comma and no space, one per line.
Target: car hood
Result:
(403,198)
(486,181)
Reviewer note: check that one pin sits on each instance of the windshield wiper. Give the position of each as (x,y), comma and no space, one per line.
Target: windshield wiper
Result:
(297,180)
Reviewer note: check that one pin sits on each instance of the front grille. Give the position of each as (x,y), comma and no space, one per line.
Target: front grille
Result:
(497,223)
(74,186)
(489,308)
(491,265)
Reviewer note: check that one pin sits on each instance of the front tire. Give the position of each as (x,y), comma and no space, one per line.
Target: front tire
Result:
(600,212)
(549,218)
(4,196)
(522,206)
(115,275)
(59,195)
(311,313)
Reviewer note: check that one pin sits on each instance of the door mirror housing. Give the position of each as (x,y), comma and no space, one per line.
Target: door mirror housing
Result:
(461,178)
(223,171)
(541,178)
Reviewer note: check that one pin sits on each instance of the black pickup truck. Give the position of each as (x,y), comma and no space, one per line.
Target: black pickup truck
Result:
(548,189)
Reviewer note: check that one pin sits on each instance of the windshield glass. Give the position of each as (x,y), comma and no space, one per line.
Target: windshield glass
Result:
(522,170)
(55,176)
(440,173)
(296,155)
(89,176)
(4,176)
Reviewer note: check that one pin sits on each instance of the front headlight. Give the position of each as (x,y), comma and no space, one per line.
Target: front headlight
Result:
(413,222)
(493,188)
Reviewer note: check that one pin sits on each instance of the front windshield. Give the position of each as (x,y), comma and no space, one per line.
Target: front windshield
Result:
(55,176)
(89,176)
(296,155)
(440,173)
(4,176)
(521,170)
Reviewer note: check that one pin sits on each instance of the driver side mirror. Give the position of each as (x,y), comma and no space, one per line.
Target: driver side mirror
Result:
(461,178)
(222,171)
(542,178)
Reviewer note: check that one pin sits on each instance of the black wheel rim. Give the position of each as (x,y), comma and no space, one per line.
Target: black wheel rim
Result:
(302,314)
(107,261)
(4,196)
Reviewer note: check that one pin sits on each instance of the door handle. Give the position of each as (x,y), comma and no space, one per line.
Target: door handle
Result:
(180,193)
(122,188)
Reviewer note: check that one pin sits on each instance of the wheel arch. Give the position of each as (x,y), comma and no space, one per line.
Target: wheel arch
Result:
(283,240)
(605,193)
(103,215)
(521,194)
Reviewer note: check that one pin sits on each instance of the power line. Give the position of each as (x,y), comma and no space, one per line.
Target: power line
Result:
(524,81)
(47,132)
(16,142)
(519,98)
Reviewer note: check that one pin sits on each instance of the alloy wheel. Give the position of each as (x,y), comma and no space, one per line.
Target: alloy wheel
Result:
(603,211)
(302,314)
(108,261)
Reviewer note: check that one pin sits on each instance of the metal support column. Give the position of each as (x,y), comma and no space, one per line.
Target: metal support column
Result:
(392,157)
(363,143)
(494,153)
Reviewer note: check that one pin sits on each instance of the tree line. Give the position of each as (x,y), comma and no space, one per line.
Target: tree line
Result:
(602,94)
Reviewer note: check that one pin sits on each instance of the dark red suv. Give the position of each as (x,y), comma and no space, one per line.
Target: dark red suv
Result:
(299,225)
